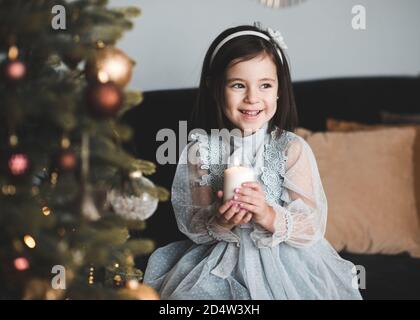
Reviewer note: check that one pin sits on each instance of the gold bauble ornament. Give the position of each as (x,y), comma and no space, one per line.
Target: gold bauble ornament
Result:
(113,62)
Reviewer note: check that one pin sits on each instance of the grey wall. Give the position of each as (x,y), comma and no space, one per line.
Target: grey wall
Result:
(171,37)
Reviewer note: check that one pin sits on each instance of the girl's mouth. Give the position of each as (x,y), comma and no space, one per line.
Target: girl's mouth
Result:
(250,114)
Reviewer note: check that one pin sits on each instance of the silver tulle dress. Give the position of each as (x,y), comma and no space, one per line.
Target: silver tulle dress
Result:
(250,262)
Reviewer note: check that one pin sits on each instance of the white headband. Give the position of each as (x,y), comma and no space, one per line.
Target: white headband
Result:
(275,35)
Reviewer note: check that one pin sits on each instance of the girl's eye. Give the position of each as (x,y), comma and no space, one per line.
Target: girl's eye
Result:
(266,85)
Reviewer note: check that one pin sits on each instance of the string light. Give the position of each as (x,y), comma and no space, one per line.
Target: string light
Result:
(29,241)
(117,279)
(91,278)
(54,177)
(100,44)
(8,190)
(13,53)
(65,142)
(13,140)
(46,211)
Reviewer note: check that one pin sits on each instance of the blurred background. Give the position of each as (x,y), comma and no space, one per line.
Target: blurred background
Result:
(170,38)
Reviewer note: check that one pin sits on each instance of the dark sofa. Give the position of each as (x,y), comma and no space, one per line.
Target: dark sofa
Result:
(354,99)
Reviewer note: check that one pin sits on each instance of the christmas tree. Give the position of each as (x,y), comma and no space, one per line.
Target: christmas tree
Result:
(70,194)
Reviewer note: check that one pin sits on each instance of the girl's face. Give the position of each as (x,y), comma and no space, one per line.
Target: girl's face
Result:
(251,93)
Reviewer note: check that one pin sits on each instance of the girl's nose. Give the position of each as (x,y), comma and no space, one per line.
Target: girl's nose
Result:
(252,96)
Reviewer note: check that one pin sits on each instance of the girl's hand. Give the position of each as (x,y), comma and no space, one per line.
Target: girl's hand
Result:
(231,214)
(252,198)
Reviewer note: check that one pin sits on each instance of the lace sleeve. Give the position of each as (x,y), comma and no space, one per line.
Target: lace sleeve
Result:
(301,221)
(194,203)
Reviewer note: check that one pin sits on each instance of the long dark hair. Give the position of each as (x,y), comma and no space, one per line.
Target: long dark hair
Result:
(208,112)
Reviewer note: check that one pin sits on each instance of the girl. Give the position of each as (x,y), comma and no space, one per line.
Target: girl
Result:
(267,242)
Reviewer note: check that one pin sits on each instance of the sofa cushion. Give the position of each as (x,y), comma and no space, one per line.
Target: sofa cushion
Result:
(368,180)
(346,126)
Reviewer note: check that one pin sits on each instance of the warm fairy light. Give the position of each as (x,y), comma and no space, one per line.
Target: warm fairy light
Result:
(29,241)
(65,142)
(46,211)
(132,284)
(103,77)
(90,278)
(117,278)
(136,174)
(13,140)
(117,265)
(21,263)
(8,189)
(54,177)
(13,53)
(100,44)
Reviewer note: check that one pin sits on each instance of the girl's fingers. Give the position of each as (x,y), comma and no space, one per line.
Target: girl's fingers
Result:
(244,191)
(247,217)
(238,216)
(248,207)
(254,185)
(225,206)
(231,212)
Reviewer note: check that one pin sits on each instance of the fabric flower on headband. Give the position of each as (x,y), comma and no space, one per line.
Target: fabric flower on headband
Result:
(274,34)
(278,38)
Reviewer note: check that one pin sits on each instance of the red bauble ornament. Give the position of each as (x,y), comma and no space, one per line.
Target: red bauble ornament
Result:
(67,160)
(14,70)
(104,99)
(18,164)
(21,263)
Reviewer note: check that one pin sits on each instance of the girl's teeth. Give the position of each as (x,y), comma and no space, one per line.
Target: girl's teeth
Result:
(251,113)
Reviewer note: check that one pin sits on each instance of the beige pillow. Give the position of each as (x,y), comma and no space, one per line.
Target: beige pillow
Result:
(345,126)
(368,179)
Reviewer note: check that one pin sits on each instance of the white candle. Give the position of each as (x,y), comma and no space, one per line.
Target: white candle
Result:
(234,177)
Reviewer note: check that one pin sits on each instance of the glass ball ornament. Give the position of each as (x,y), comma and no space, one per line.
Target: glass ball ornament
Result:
(18,164)
(113,62)
(104,99)
(14,70)
(135,199)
